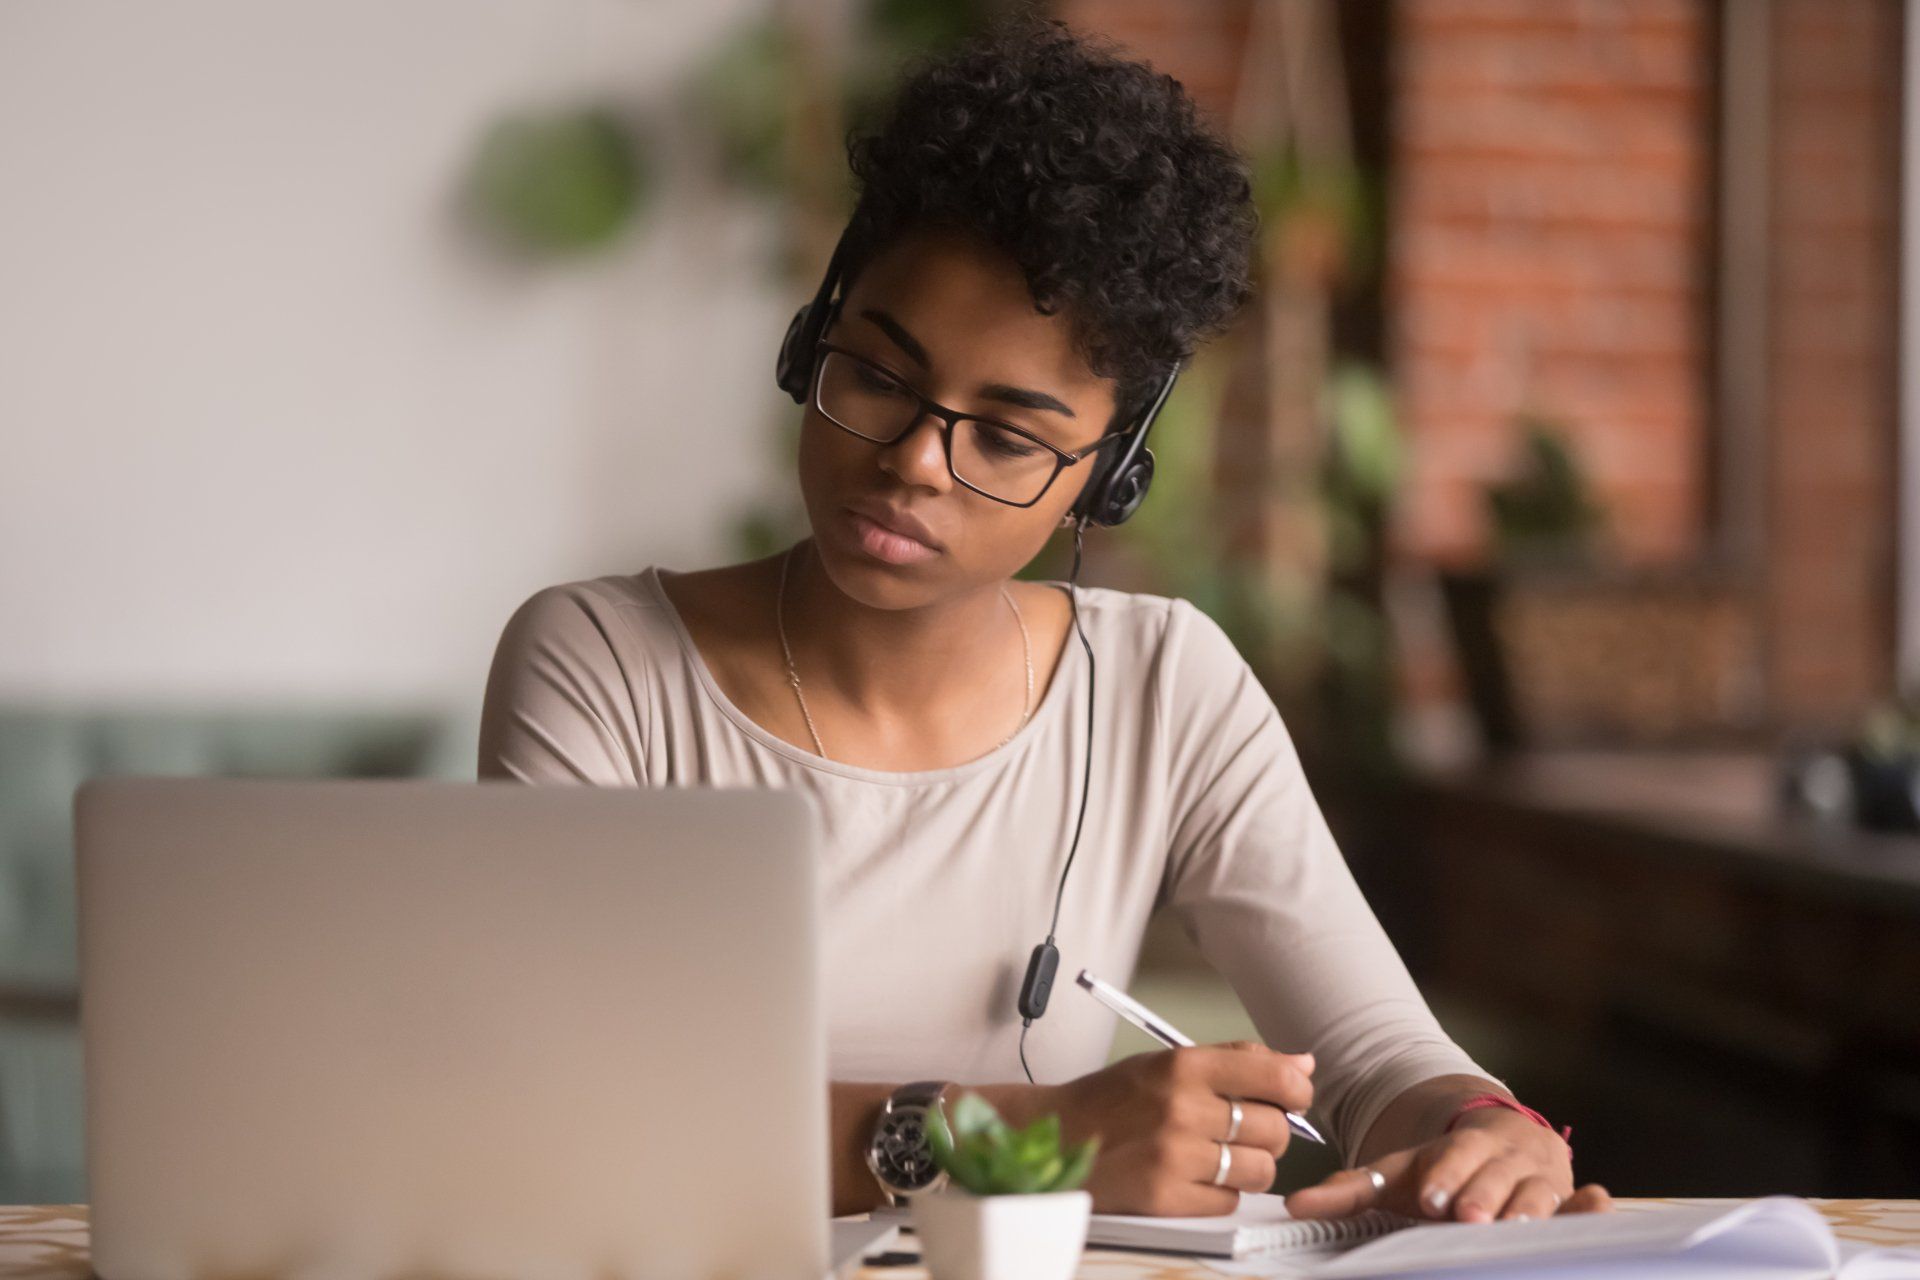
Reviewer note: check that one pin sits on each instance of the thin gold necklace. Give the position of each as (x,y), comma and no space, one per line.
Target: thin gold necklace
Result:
(793,677)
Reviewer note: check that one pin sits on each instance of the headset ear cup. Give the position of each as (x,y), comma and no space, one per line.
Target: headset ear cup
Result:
(1128,491)
(1091,498)
(794,366)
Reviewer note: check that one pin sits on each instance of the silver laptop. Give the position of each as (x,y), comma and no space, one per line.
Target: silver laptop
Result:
(370,1029)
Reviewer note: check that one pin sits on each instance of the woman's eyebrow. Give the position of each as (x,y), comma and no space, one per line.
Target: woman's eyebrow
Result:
(1022,397)
(901,338)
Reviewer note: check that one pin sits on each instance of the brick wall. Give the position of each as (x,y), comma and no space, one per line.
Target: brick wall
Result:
(1549,173)
(1551,177)
(1830,438)
(1553,248)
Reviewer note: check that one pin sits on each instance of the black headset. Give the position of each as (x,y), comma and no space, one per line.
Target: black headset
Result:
(1114,491)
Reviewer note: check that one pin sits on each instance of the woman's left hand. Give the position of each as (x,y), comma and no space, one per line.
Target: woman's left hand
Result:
(1494,1164)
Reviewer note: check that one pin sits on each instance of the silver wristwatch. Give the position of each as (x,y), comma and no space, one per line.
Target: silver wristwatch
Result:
(899,1153)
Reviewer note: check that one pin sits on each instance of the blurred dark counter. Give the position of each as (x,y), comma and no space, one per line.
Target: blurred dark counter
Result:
(1639,918)
(1718,810)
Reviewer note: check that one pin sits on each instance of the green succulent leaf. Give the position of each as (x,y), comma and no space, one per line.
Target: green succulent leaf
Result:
(970,1171)
(939,1137)
(1004,1165)
(974,1117)
(1048,1172)
(1076,1167)
(983,1154)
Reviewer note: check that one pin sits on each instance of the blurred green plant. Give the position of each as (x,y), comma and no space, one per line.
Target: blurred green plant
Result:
(559,183)
(1890,732)
(1546,512)
(986,1156)
(1319,644)
(1324,215)
(1364,464)
(1178,537)
(745,92)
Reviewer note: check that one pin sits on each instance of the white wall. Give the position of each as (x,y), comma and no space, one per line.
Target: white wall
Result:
(273,423)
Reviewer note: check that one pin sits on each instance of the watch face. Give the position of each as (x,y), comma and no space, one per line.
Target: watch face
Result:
(901,1150)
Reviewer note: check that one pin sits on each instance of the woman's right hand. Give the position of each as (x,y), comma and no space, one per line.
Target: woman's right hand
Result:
(1161,1117)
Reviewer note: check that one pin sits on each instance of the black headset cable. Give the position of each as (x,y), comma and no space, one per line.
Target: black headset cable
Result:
(1046,957)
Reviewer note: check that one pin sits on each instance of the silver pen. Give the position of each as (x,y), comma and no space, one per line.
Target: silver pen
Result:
(1165,1032)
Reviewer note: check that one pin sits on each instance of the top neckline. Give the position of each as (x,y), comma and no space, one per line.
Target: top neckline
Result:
(1051,707)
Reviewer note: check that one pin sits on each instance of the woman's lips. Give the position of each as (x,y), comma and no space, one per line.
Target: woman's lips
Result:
(884,544)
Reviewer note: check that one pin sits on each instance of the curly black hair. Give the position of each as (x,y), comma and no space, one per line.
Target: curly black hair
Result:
(1091,170)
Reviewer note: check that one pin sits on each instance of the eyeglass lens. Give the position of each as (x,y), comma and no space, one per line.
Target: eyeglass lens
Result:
(871,404)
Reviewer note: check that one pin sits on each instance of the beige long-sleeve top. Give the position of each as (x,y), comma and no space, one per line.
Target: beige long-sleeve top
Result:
(940,882)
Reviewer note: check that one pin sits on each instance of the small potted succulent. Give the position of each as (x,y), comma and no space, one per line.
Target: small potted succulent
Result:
(1012,1208)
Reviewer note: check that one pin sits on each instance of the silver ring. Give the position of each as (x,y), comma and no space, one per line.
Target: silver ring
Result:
(1226,1163)
(1233,1125)
(1377,1178)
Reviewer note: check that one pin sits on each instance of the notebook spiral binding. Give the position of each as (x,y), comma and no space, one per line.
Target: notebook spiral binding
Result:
(1305,1233)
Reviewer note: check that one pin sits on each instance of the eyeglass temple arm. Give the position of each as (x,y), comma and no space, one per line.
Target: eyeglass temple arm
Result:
(1140,424)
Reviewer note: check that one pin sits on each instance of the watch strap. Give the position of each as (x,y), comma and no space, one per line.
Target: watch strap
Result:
(921,1093)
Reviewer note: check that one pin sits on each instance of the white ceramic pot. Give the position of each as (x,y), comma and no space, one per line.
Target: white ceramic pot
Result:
(1032,1237)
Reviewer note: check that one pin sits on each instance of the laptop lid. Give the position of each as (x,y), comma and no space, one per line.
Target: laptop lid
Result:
(458,1029)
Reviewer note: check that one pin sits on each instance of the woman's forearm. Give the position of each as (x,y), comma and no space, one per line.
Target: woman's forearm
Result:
(1420,1114)
(850,1117)
(853,1108)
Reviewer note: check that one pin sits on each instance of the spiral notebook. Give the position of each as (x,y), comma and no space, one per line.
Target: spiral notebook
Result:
(1261,1225)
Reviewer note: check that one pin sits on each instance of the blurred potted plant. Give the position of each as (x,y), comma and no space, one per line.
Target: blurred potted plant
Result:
(1562,645)
(1542,516)
(1013,1208)
(1872,780)
(1883,761)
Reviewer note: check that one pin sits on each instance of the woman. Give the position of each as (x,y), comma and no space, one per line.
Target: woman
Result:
(1044,233)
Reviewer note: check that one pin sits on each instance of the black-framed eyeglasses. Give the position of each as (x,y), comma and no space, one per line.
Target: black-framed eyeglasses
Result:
(993,458)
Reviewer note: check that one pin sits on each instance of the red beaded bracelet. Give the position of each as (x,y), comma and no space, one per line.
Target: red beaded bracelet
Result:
(1502,1100)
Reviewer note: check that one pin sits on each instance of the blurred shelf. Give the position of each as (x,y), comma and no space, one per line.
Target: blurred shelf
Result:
(1711,809)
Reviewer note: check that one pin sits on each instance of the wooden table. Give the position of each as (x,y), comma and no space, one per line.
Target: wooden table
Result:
(49,1242)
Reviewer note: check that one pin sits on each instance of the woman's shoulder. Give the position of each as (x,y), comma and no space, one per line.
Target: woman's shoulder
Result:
(1173,653)
(621,614)
(568,694)
(1144,623)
